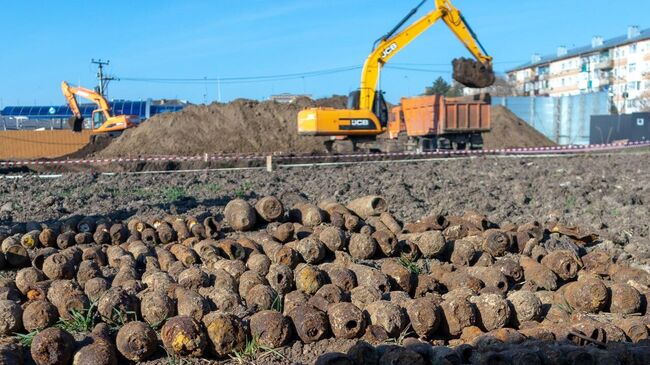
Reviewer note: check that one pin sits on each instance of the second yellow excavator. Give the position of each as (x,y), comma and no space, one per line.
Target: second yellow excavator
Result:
(367,114)
(103,122)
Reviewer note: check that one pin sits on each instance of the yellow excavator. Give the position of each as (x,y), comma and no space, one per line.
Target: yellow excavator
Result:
(367,114)
(103,122)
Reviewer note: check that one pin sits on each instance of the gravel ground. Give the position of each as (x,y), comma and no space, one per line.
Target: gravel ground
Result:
(606,194)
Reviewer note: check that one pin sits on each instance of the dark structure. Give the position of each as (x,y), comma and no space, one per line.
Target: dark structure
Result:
(610,128)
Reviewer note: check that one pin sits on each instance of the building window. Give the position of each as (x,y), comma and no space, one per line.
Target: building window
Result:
(632,48)
(631,67)
(632,86)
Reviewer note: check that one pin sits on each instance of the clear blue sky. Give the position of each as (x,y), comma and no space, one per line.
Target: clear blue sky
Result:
(44,42)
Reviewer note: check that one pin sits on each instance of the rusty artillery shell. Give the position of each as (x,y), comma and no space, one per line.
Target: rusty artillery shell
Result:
(286,255)
(26,277)
(280,278)
(362,295)
(193,278)
(625,274)
(589,295)
(493,311)
(510,268)
(156,306)
(457,229)
(564,263)
(190,303)
(30,239)
(136,341)
(95,254)
(259,264)
(309,278)
(207,250)
(15,254)
(346,320)
(310,323)
(149,236)
(340,276)
(102,236)
(424,316)
(180,227)
(368,206)
(231,249)
(337,220)
(212,228)
(47,237)
(269,208)
(164,232)
(240,215)
(371,277)
(351,222)
(491,277)
(83,238)
(538,275)
(391,223)
(294,299)
(426,284)
(311,249)
(401,278)
(624,299)
(463,253)
(59,290)
(331,206)
(184,254)
(52,346)
(271,328)
(261,297)
(597,262)
(88,269)
(183,336)
(400,355)
(11,317)
(226,333)
(196,228)
(386,242)
(457,314)
(307,214)
(87,225)
(116,303)
(526,307)
(367,230)
(334,239)
(327,295)
(430,223)
(634,329)
(58,266)
(283,232)
(99,352)
(377,224)
(362,247)
(119,233)
(95,288)
(461,279)
(432,244)
(364,353)
(496,242)
(388,315)
(65,240)
(233,267)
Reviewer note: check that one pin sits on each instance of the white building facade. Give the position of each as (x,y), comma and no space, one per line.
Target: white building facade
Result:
(619,66)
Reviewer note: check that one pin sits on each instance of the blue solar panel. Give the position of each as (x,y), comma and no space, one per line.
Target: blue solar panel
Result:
(137,108)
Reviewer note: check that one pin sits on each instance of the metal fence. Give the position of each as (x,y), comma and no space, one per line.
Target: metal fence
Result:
(564,120)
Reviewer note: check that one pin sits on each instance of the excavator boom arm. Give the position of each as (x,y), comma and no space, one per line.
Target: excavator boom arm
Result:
(70,92)
(388,47)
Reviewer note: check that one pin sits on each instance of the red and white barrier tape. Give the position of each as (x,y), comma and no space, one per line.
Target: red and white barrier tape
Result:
(281,157)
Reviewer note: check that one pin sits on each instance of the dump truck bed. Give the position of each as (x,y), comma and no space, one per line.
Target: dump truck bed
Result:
(438,115)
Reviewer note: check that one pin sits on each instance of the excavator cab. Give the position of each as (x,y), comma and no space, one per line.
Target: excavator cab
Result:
(380,109)
(98,119)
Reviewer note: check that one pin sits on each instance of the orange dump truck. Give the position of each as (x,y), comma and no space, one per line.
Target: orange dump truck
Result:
(438,122)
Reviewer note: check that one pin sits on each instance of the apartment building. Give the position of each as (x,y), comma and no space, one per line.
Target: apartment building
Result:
(619,66)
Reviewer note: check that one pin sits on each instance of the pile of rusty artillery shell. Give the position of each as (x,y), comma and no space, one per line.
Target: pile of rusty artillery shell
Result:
(443,289)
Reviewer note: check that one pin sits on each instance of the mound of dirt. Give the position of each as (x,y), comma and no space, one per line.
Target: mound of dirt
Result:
(242,126)
(508,131)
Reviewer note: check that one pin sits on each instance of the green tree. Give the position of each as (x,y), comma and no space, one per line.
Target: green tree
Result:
(439,87)
(442,87)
